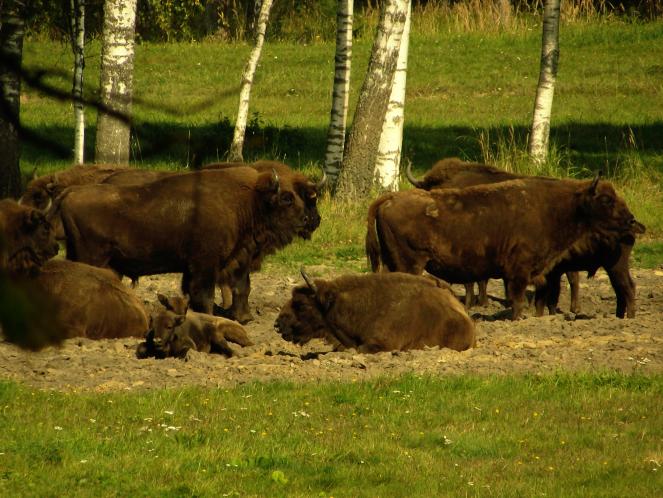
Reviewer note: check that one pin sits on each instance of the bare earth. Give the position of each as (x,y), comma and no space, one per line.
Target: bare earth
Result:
(593,341)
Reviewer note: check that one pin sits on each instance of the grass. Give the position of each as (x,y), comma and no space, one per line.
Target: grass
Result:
(470,94)
(558,435)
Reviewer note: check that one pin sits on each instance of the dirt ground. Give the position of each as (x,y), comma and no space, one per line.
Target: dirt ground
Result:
(593,340)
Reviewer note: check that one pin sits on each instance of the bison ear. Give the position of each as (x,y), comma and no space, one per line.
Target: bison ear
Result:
(50,187)
(179,320)
(33,176)
(592,187)
(164,300)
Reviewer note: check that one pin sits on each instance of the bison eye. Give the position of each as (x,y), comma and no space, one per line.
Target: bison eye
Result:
(287,198)
(607,201)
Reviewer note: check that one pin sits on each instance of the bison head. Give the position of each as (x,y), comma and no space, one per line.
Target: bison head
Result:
(161,335)
(600,205)
(40,193)
(303,317)
(177,304)
(29,239)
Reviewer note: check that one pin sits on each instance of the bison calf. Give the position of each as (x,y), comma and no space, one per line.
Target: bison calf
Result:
(379,312)
(176,329)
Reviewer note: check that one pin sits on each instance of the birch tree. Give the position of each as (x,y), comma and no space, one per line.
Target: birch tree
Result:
(235,153)
(357,176)
(78,47)
(341,92)
(387,165)
(538,139)
(11,54)
(116,82)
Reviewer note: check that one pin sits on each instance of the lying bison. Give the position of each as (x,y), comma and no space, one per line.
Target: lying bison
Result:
(42,191)
(208,225)
(517,230)
(379,312)
(91,302)
(612,256)
(175,330)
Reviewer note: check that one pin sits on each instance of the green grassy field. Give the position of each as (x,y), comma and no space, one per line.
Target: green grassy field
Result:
(468,95)
(568,436)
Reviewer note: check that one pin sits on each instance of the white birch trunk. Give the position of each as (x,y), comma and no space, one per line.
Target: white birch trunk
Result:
(341,93)
(538,139)
(78,46)
(235,153)
(387,165)
(357,176)
(116,82)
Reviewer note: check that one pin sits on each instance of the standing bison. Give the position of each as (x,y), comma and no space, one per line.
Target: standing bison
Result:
(379,312)
(211,226)
(612,255)
(517,230)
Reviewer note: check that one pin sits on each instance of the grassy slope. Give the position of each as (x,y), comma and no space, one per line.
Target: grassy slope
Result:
(572,436)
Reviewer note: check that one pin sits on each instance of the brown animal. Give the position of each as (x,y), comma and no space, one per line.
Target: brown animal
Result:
(614,257)
(236,300)
(28,239)
(91,302)
(175,330)
(208,225)
(42,191)
(378,312)
(517,230)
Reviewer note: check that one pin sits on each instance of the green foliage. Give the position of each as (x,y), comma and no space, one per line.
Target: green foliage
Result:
(575,435)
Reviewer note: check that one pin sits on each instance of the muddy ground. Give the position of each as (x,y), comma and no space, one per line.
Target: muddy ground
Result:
(593,340)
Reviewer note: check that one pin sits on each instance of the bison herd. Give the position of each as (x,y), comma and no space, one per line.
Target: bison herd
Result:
(462,223)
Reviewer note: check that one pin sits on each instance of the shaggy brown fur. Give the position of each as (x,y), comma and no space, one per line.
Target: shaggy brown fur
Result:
(454,173)
(175,330)
(208,225)
(379,312)
(43,190)
(517,230)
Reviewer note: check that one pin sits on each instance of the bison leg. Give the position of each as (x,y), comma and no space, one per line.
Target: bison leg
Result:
(219,344)
(483,292)
(469,295)
(200,287)
(624,288)
(239,310)
(516,294)
(574,283)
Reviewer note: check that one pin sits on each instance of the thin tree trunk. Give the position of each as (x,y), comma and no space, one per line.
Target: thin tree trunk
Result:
(387,166)
(78,47)
(235,153)
(538,139)
(116,82)
(11,54)
(357,176)
(341,93)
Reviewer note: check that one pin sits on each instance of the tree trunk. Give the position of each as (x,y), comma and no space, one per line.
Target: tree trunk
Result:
(11,54)
(341,93)
(235,153)
(387,166)
(116,82)
(538,139)
(78,47)
(357,176)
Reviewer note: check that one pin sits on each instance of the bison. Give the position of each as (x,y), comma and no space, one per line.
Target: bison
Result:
(42,191)
(517,230)
(208,225)
(377,312)
(236,300)
(91,302)
(175,330)
(613,257)
(27,238)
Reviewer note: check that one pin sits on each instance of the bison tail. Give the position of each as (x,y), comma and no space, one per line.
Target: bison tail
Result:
(373,250)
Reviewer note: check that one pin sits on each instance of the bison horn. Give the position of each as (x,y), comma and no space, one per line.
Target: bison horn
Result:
(410,176)
(276,181)
(323,181)
(592,187)
(308,281)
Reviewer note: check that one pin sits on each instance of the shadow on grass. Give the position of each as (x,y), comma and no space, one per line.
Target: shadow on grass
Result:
(591,146)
